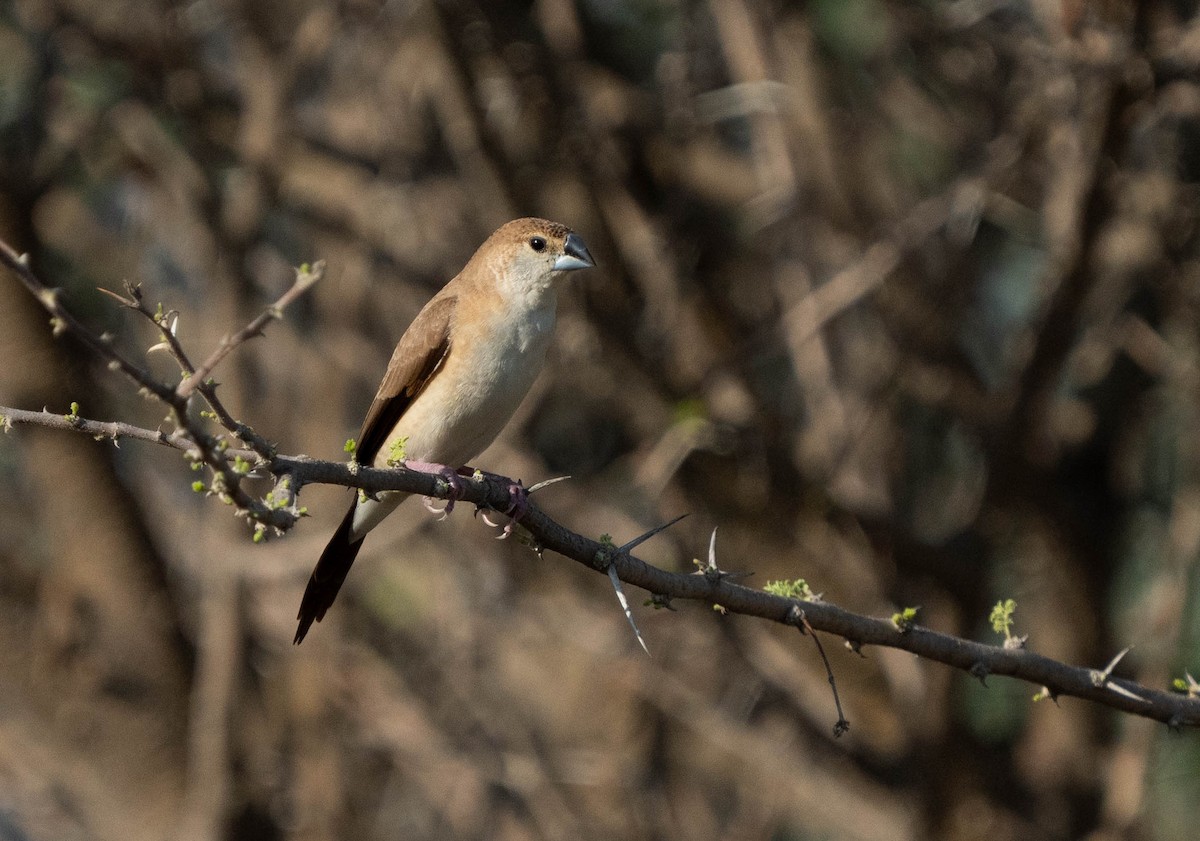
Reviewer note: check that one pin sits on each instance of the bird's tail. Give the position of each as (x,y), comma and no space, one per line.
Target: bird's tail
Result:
(328,575)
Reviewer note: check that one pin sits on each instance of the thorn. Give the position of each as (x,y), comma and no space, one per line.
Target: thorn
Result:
(616,582)
(710,571)
(856,647)
(637,541)
(1101,678)
(980,670)
(1113,663)
(545,483)
(1046,692)
(125,302)
(1121,690)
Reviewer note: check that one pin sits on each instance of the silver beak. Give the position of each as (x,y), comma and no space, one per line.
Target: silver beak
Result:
(575,255)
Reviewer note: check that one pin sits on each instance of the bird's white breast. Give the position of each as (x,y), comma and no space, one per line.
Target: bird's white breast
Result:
(493,361)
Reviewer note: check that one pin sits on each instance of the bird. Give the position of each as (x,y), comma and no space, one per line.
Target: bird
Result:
(455,379)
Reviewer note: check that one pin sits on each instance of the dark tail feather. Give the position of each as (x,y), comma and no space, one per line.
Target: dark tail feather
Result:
(327,576)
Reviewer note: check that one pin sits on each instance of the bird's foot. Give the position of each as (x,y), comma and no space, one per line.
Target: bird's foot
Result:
(518,503)
(449,474)
(517,509)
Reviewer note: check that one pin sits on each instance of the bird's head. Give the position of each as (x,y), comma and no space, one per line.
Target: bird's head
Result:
(526,255)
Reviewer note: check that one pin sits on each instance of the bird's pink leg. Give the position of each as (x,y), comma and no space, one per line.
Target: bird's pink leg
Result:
(450,474)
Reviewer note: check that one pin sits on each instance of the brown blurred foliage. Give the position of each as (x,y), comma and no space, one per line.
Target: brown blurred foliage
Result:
(901,295)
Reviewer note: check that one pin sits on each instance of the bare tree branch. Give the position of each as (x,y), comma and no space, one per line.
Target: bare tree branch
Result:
(492,492)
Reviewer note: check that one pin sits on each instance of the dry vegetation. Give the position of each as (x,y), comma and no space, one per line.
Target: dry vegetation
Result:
(902,296)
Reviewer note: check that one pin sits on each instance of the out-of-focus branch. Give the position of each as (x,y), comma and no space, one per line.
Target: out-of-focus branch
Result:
(218,660)
(849,286)
(1071,274)
(712,586)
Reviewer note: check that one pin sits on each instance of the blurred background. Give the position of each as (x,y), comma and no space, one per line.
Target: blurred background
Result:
(902,296)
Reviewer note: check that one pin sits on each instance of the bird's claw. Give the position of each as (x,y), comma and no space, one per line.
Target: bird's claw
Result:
(518,506)
(428,502)
(450,476)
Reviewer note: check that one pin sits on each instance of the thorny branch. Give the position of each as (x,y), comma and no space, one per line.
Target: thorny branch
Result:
(708,584)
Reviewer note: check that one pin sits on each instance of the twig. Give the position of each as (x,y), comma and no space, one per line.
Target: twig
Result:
(100,430)
(306,276)
(841,725)
(166,327)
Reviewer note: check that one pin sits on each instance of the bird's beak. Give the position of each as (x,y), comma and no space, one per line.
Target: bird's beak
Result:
(575,255)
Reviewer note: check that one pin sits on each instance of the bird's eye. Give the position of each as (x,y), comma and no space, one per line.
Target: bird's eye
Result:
(537,244)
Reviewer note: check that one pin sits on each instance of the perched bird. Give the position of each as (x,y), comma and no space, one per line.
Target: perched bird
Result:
(457,375)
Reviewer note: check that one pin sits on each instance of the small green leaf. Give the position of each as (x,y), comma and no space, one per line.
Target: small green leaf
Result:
(904,620)
(351,446)
(797,589)
(198,486)
(1001,617)
(396,452)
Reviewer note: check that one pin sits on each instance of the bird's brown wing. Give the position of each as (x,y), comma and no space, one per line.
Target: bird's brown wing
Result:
(421,352)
